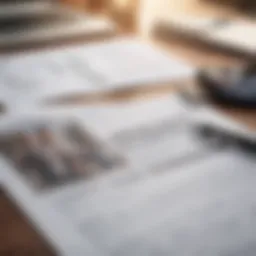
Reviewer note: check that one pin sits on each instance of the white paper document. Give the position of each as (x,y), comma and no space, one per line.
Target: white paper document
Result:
(238,35)
(32,78)
(234,34)
(129,179)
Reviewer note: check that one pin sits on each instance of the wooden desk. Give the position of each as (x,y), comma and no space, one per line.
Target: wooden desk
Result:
(17,236)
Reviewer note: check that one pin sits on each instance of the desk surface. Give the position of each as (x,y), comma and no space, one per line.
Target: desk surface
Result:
(22,239)
(17,235)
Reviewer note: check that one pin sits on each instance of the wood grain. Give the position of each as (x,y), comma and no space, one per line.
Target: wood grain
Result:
(17,237)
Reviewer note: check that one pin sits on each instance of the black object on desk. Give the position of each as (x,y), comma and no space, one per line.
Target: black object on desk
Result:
(233,87)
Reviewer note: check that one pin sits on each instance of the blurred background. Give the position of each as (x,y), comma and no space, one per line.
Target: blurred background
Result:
(130,13)
(26,21)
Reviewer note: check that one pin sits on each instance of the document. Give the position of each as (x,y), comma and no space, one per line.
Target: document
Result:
(238,35)
(190,24)
(29,79)
(129,178)
(120,179)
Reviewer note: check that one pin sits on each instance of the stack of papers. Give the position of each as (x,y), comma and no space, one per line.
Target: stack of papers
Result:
(236,35)
(190,24)
(61,27)
(13,9)
(37,21)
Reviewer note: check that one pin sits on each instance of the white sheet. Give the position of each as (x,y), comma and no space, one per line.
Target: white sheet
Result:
(174,186)
(238,35)
(88,68)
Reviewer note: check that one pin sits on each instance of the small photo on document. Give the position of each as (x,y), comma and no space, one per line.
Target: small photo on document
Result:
(49,156)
